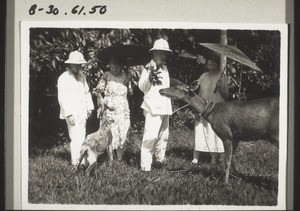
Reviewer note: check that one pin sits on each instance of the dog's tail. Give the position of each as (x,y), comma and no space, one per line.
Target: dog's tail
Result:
(83,154)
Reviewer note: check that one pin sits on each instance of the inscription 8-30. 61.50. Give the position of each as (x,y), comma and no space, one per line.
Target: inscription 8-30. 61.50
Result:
(76,10)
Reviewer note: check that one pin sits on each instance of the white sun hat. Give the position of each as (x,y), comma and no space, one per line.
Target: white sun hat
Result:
(75,57)
(161,45)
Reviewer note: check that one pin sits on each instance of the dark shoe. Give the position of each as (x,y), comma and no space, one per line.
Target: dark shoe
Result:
(160,164)
(205,157)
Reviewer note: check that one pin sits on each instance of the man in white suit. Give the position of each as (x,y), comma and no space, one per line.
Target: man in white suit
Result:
(157,108)
(75,102)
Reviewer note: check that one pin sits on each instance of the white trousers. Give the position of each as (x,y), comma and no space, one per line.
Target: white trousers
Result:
(77,136)
(155,139)
(206,139)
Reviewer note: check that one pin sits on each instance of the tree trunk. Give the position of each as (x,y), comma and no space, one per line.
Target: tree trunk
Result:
(223,41)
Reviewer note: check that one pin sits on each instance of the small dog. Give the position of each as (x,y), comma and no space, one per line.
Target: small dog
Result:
(94,145)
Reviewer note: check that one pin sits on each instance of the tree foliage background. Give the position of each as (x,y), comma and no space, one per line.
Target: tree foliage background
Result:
(50,47)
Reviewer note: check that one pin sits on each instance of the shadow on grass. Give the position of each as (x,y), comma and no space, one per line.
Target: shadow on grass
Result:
(64,155)
(185,153)
(265,182)
(129,158)
(41,144)
(132,158)
(43,137)
(216,172)
(207,171)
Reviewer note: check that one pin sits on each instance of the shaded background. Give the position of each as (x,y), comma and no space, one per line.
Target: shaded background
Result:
(50,47)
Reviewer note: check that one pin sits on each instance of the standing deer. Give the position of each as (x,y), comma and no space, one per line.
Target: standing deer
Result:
(232,121)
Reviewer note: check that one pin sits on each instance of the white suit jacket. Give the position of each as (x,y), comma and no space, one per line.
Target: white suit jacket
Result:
(154,102)
(73,96)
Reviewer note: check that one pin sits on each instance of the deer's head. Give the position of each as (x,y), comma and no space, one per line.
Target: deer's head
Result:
(179,90)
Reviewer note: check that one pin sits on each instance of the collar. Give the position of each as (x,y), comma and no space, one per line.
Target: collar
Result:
(209,107)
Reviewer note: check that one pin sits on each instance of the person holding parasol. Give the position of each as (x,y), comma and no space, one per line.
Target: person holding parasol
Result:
(213,88)
(115,85)
(113,89)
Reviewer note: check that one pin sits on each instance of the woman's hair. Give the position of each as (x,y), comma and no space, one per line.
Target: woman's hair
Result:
(214,58)
(116,60)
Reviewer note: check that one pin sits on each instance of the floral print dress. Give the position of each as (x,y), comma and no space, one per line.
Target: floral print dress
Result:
(115,97)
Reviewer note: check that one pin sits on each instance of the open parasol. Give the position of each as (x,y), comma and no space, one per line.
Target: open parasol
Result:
(130,54)
(231,52)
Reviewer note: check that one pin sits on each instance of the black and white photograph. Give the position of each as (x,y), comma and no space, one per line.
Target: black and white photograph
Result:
(153,115)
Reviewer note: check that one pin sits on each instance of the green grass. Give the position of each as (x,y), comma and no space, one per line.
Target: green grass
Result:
(53,180)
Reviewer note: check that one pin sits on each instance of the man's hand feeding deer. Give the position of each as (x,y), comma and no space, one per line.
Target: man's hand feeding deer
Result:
(232,121)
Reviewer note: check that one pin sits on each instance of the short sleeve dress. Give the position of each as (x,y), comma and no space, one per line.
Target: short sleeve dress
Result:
(115,97)
(205,138)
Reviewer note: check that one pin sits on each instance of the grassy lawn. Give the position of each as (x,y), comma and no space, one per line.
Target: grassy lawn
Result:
(53,180)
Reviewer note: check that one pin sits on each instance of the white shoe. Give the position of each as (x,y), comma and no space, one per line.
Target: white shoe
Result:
(195,161)
(75,163)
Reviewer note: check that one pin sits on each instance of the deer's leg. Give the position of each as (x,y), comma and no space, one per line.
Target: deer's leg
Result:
(274,139)
(234,148)
(110,154)
(274,129)
(90,169)
(82,155)
(92,159)
(228,157)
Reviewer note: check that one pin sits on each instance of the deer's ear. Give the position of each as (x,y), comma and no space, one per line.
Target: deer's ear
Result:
(194,85)
(184,88)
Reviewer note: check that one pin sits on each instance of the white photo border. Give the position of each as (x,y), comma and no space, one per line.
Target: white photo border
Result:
(283,124)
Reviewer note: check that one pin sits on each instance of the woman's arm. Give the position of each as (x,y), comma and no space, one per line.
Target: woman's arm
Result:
(130,89)
(88,96)
(222,87)
(128,84)
(98,93)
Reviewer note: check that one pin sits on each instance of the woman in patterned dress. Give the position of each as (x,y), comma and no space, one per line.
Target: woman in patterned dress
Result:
(113,107)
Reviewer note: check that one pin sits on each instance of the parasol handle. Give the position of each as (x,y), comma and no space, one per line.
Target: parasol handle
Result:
(240,85)
(215,90)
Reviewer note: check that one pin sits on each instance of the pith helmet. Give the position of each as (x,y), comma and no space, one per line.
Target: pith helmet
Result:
(75,57)
(161,45)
